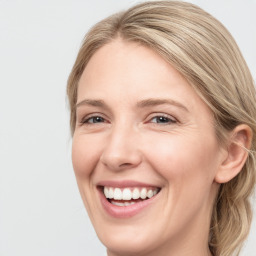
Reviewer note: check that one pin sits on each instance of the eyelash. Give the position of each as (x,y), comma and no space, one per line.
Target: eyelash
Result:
(86,121)
(166,120)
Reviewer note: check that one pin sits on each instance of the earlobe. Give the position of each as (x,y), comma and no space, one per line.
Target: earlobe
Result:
(237,153)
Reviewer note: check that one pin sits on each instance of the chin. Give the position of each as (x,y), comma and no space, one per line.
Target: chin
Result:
(126,237)
(128,244)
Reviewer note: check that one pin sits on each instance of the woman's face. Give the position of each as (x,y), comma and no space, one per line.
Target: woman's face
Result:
(145,138)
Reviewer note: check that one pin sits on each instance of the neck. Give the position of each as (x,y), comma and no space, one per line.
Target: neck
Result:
(206,253)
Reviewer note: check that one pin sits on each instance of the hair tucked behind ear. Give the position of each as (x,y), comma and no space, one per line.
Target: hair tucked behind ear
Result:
(204,52)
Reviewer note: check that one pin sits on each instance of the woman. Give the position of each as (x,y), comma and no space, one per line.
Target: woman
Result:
(163,123)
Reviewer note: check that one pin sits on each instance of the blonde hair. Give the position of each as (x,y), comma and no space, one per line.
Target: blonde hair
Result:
(205,53)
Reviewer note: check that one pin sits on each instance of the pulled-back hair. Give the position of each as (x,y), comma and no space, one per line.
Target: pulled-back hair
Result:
(204,52)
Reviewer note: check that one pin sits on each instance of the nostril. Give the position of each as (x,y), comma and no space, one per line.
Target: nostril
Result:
(118,158)
(120,162)
(125,164)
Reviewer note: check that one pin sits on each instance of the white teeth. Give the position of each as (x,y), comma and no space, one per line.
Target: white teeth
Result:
(128,194)
(110,193)
(118,194)
(150,193)
(136,193)
(106,192)
(117,203)
(127,203)
(122,204)
(143,193)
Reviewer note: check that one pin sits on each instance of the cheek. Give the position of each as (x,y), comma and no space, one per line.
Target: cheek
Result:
(84,156)
(182,158)
(84,159)
(188,166)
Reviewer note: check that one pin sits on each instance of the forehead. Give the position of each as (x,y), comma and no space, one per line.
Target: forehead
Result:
(128,66)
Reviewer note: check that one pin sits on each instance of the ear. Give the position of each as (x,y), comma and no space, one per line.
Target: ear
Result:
(237,153)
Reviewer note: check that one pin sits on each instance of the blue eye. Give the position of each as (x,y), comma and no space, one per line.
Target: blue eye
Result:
(162,120)
(94,120)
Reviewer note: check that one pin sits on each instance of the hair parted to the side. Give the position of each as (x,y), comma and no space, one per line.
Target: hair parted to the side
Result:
(204,52)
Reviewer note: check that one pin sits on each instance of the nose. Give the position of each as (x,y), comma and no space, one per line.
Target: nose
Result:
(121,150)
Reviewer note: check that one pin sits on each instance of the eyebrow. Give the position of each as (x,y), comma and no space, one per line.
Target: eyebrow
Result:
(155,102)
(95,103)
(141,104)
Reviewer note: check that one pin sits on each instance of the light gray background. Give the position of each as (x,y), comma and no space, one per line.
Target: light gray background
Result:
(41,213)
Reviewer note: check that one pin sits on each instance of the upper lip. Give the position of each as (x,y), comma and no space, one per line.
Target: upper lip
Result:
(124,184)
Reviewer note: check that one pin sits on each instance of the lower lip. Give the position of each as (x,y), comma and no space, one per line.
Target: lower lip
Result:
(124,211)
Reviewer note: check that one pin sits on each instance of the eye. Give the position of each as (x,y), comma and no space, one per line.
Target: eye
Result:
(162,119)
(93,120)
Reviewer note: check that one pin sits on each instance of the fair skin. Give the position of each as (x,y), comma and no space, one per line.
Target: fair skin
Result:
(141,125)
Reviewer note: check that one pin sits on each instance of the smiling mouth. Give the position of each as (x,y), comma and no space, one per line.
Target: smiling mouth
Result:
(128,196)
